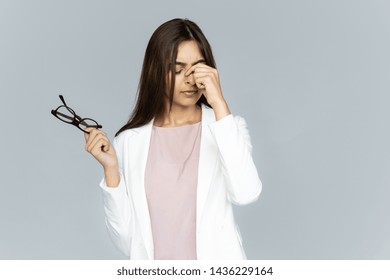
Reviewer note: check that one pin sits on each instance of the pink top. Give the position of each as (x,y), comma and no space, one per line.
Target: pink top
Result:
(171,178)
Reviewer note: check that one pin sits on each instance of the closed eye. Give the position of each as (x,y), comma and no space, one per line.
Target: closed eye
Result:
(184,65)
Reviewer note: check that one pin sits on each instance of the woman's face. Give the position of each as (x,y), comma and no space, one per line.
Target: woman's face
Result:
(185,92)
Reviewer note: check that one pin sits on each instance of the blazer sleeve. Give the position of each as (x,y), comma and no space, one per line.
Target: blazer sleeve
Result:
(235,153)
(117,209)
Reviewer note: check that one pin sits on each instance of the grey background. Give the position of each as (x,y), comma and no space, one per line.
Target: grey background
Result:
(312,78)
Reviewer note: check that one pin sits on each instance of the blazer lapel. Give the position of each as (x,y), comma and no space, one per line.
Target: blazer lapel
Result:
(207,159)
(139,149)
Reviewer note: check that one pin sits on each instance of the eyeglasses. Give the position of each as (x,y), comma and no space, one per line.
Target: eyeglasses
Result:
(68,115)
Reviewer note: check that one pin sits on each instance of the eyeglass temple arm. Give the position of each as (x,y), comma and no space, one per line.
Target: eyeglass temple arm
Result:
(80,120)
(61,114)
(70,118)
(63,100)
(77,117)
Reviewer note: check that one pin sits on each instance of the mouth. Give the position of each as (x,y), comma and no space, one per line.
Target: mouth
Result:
(190,92)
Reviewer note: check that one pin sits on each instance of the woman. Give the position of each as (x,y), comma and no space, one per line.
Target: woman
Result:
(174,170)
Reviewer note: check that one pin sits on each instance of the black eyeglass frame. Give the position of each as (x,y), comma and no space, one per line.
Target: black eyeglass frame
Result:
(75,120)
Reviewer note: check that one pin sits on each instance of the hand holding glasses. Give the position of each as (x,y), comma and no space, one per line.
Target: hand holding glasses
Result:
(97,142)
(68,115)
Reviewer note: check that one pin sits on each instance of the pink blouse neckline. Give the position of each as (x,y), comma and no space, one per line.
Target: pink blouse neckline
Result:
(178,127)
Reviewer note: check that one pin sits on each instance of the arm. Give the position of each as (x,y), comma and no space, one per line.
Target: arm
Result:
(232,138)
(235,151)
(117,207)
(116,202)
(117,210)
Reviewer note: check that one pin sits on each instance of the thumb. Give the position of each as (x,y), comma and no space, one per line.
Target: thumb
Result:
(86,135)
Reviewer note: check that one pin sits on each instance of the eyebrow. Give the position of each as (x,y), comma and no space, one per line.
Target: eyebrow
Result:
(196,62)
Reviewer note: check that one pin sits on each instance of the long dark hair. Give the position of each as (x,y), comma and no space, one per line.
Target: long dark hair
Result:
(159,61)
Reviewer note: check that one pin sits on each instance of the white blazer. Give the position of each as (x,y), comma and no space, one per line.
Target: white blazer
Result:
(226,175)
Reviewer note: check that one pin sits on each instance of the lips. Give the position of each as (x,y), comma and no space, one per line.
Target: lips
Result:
(190,92)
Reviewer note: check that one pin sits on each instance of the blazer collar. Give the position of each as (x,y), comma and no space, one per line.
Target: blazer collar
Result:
(207,160)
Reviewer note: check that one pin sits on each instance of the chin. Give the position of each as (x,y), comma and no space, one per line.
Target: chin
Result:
(186,103)
(187,100)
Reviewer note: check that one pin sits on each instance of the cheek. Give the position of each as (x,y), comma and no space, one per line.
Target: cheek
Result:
(178,82)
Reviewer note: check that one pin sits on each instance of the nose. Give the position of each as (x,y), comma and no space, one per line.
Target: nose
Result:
(189,80)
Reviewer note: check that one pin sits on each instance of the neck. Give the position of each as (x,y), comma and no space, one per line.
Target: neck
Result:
(179,116)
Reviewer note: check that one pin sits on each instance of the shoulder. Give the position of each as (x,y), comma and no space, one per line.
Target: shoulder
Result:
(209,116)
(129,134)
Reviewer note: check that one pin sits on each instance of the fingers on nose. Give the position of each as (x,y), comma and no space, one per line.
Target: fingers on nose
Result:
(190,79)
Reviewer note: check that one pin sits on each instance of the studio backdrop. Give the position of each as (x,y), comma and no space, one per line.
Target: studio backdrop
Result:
(312,79)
